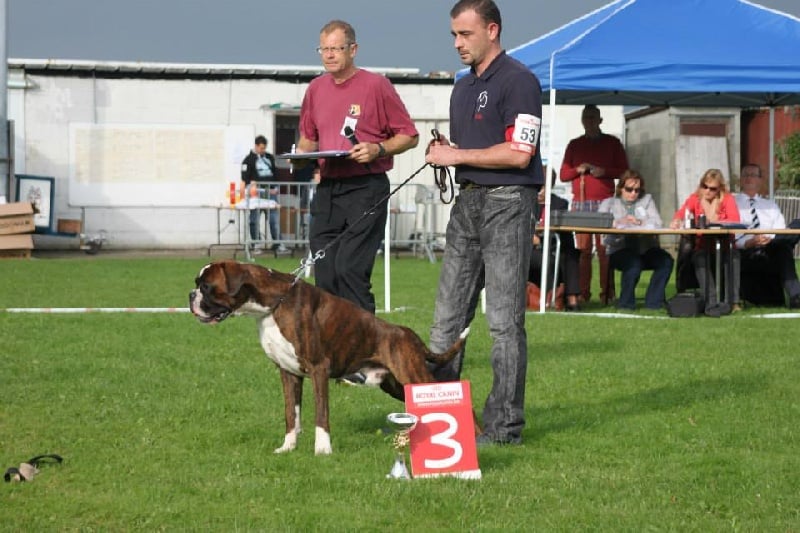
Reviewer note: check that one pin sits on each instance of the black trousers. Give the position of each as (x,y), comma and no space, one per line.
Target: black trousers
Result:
(344,216)
(767,271)
(568,269)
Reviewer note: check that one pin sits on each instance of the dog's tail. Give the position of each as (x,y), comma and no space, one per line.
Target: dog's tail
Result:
(447,356)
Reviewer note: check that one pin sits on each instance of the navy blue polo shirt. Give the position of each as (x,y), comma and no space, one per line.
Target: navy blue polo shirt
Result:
(481,108)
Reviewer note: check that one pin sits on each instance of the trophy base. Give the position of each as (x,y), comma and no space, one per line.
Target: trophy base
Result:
(399,470)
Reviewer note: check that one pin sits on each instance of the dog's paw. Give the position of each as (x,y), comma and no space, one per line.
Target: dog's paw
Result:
(322,442)
(289,443)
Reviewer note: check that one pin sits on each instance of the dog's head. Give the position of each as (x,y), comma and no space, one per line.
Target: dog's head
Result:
(220,289)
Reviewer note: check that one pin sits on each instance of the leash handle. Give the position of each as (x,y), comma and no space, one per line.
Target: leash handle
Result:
(35,461)
(439,173)
(31,466)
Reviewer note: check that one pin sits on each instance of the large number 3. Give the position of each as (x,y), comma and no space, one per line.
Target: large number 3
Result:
(443,438)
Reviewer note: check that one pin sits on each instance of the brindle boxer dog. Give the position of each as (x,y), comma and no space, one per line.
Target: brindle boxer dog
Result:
(309,332)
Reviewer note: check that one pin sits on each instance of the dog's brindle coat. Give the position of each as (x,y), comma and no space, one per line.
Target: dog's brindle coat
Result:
(309,332)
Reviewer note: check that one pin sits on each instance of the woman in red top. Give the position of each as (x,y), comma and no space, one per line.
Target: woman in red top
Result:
(713,200)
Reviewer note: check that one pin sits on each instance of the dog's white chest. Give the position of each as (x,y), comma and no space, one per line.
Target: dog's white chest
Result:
(277,347)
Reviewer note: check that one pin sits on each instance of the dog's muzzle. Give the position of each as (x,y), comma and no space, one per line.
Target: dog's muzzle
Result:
(205,313)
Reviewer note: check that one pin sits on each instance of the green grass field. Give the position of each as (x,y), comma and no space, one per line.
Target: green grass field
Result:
(634,423)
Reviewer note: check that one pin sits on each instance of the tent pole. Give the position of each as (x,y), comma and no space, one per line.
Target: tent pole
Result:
(772,152)
(548,188)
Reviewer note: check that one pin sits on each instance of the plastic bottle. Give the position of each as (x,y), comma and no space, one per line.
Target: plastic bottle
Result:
(688,219)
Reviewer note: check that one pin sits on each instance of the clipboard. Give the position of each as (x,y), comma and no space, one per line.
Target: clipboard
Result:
(324,154)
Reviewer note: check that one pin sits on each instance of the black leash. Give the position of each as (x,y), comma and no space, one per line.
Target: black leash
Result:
(441,183)
(30,468)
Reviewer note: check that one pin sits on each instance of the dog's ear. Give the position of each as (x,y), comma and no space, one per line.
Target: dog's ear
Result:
(241,282)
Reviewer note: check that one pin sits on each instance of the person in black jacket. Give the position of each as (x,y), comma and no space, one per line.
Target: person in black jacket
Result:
(259,165)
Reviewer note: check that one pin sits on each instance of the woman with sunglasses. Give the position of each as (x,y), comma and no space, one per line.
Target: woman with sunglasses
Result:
(713,202)
(630,254)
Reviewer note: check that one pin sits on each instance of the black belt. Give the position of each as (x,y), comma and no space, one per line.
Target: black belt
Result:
(469,185)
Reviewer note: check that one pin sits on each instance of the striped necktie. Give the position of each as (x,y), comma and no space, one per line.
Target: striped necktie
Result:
(754,222)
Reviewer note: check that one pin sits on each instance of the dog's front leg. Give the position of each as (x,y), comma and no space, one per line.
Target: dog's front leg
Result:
(292,399)
(322,437)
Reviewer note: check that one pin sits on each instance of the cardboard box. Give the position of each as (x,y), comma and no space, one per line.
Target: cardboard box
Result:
(16,218)
(16,246)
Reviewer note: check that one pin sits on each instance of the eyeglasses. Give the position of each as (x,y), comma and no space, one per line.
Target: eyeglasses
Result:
(333,49)
(751,175)
(709,187)
(632,189)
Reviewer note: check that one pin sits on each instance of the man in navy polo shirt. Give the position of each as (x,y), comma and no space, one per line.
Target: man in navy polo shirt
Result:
(495,119)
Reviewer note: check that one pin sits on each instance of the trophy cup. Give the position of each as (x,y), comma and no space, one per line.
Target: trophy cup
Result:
(402,424)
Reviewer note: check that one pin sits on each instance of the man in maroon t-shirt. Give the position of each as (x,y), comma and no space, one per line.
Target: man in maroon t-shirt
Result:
(352,109)
(592,162)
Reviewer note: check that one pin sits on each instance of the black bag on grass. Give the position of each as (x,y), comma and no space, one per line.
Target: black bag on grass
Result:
(686,304)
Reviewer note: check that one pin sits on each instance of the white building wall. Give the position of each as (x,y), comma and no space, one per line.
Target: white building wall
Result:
(45,113)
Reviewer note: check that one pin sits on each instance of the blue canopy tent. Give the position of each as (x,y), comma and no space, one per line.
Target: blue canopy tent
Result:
(681,52)
(731,53)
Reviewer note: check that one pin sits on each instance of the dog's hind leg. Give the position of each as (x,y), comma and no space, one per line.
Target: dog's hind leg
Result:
(293,399)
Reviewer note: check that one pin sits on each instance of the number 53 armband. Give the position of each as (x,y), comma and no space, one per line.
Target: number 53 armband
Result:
(525,134)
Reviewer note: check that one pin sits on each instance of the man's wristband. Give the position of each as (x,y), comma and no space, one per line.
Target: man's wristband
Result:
(381,150)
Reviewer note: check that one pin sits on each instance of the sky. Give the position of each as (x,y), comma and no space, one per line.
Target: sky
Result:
(390,33)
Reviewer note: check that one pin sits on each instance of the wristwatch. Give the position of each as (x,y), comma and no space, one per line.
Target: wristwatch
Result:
(381,150)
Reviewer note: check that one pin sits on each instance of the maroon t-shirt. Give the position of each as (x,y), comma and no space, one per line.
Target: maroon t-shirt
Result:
(368,103)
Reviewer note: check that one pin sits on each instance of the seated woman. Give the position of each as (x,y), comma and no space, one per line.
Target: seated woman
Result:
(631,254)
(568,268)
(712,200)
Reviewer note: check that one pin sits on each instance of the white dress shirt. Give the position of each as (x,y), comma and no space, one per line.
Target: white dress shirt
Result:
(769,215)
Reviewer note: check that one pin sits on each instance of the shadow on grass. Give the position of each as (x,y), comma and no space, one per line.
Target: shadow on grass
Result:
(558,418)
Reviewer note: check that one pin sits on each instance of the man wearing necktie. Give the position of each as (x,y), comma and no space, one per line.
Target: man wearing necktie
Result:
(765,257)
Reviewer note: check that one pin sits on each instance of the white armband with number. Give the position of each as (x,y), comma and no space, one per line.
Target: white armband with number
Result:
(526,133)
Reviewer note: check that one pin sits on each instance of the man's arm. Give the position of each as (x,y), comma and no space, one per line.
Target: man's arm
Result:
(494,157)
(366,152)
(569,171)
(304,145)
(248,168)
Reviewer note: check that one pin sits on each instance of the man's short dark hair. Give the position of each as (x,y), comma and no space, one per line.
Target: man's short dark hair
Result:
(487,10)
(752,165)
(260,139)
(591,108)
(349,31)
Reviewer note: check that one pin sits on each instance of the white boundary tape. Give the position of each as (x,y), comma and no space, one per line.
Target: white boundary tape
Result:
(654,317)
(77,310)
(66,310)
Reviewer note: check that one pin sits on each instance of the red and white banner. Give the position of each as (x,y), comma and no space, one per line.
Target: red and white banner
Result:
(443,441)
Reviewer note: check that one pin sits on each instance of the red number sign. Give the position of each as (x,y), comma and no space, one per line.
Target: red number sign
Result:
(443,442)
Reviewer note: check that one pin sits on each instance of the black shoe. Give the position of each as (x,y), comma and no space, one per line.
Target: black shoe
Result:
(794,302)
(485,440)
(572,308)
(356,379)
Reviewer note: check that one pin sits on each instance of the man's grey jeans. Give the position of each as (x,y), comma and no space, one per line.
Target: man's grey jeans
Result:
(489,244)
